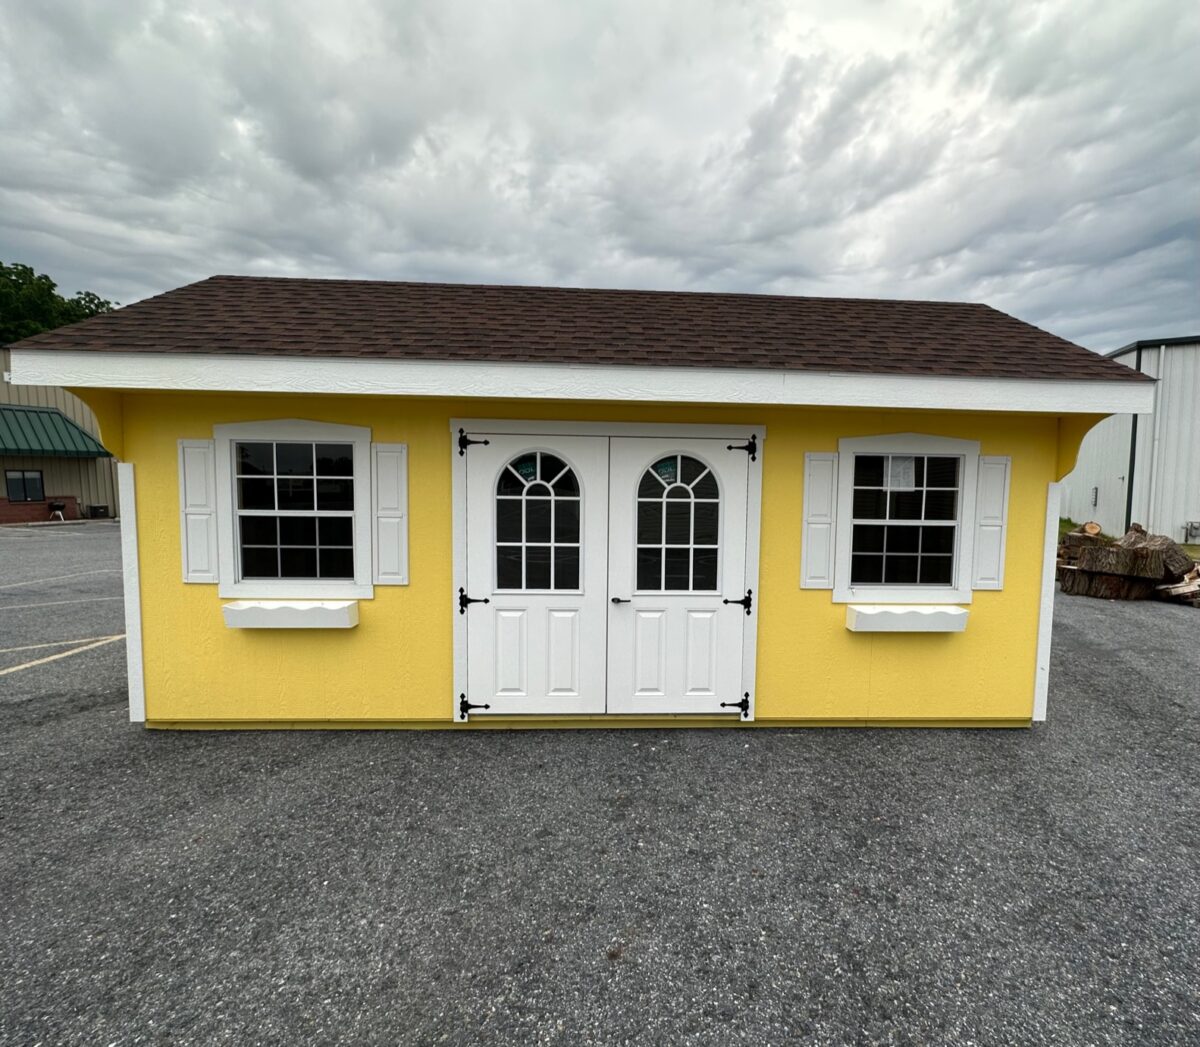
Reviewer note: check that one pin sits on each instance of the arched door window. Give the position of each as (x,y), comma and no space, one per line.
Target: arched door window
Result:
(537,524)
(678,523)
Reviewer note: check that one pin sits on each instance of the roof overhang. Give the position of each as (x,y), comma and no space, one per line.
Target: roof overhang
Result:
(498,380)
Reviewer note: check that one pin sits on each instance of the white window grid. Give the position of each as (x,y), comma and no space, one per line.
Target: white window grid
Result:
(277,512)
(553,544)
(661,546)
(887,522)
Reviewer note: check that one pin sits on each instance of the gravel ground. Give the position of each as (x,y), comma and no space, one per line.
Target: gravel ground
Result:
(597,887)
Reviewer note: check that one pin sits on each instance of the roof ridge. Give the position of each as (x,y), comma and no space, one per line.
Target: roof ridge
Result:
(559,288)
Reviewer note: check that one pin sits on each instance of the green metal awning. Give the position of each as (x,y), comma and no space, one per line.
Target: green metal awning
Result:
(45,431)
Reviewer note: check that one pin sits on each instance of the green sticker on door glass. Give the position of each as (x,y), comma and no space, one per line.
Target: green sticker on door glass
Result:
(526,467)
(667,469)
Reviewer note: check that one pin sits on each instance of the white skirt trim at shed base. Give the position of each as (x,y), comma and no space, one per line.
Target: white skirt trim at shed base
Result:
(132,587)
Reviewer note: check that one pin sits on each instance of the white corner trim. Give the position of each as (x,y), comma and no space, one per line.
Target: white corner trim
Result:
(360,587)
(482,378)
(291,614)
(1041,683)
(132,589)
(964,559)
(458,516)
(753,555)
(905,618)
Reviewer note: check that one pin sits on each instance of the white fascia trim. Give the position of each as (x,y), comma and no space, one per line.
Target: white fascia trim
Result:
(487,379)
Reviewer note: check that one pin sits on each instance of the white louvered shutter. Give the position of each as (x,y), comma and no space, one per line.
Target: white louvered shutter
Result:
(389,505)
(198,511)
(991,522)
(820,519)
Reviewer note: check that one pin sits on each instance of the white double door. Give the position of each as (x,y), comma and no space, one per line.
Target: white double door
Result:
(604,574)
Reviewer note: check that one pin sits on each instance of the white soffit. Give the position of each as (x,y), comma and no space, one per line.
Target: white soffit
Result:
(486,379)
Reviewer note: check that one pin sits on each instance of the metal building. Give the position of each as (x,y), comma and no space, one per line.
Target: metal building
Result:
(50,454)
(1146,468)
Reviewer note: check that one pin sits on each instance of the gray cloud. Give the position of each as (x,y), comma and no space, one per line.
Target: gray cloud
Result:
(1041,157)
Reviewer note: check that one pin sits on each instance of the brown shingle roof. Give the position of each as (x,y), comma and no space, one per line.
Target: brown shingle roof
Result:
(419,321)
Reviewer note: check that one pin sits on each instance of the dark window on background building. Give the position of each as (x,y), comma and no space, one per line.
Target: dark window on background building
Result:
(24,485)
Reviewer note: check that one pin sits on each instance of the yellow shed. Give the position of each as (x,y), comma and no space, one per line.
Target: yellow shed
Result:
(383,504)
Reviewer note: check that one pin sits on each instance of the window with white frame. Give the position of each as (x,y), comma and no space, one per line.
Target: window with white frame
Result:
(293,509)
(905,522)
(537,524)
(678,521)
(905,506)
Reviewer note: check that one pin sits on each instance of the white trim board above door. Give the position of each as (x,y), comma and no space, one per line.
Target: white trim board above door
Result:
(551,519)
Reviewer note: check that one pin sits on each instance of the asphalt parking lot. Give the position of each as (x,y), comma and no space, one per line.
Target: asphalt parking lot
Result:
(593,887)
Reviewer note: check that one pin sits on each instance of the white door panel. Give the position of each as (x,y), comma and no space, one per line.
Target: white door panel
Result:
(562,651)
(700,653)
(649,652)
(677,550)
(511,650)
(537,553)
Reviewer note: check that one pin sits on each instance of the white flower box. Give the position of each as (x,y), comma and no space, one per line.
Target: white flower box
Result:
(291,614)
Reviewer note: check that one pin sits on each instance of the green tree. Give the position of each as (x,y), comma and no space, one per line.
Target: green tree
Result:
(30,302)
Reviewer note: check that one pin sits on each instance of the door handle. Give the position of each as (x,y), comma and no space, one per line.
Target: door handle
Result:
(617,599)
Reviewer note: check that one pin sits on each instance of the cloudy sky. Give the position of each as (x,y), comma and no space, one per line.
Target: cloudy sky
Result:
(1043,157)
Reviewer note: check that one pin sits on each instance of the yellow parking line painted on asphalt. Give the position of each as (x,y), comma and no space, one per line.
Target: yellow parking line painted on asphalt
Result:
(56,643)
(62,654)
(60,577)
(59,603)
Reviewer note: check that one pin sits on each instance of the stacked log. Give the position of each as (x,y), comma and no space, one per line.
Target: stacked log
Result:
(1176,562)
(1137,566)
(1074,542)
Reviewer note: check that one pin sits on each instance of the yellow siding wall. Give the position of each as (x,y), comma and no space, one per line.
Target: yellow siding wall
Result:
(396,665)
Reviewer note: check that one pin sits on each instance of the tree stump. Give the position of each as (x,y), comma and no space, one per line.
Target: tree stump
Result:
(1176,562)
(1131,563)
(1077,582)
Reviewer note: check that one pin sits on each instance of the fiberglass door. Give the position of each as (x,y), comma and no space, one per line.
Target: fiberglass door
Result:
(537,520)
(677,553)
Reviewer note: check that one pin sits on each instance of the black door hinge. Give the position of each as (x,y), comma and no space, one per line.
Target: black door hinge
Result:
(743,705)
(464,707)
(464,599)
(464,441)
(746,601)
(750,447)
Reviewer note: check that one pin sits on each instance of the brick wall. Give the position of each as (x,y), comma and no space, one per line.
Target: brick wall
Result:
(30,512)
